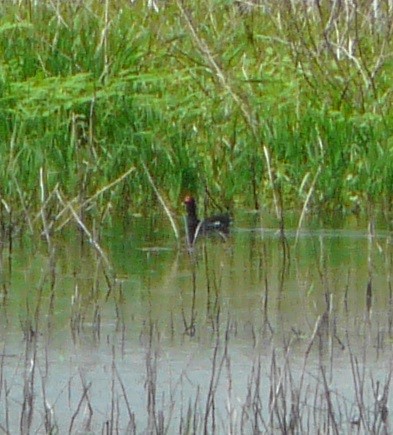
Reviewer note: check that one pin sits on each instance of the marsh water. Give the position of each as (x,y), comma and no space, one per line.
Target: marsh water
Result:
(254,334)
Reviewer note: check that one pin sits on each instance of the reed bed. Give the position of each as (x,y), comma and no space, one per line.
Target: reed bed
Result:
(282,104)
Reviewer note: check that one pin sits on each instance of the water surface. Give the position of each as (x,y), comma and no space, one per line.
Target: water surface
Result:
(252,334)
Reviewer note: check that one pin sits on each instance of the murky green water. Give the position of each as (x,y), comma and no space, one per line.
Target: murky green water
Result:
(232,337)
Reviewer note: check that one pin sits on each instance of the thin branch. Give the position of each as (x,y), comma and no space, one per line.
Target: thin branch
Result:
(161,199)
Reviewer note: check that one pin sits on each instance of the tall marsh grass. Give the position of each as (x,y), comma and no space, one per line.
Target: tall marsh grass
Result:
(286,104)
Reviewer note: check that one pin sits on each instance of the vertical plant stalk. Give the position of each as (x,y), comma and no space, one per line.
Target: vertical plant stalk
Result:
(305,205)
(210,406)
(271,178)
(131,415)
(331,417)
(85,396)
(42,211)
(28,405)
(151,383)
(22,201)
(104,42)
(50,423)
(370,239)
(189,327)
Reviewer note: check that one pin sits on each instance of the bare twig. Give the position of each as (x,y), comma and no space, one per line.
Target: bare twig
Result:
(161,199)
(91,239)
(90,199)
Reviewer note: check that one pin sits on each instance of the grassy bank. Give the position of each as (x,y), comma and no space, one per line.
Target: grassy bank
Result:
(279,104)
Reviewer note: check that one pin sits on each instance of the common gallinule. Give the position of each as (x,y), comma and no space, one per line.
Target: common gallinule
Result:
(215,224)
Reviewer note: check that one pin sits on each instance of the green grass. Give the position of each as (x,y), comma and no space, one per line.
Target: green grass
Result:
(249,105)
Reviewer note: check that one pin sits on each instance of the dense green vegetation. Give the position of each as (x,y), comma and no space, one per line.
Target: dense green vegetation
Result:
(280,103)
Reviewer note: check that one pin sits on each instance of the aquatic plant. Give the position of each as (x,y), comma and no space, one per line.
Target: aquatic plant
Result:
(281,104)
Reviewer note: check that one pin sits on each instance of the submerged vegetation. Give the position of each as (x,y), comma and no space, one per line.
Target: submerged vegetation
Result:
(258,102)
